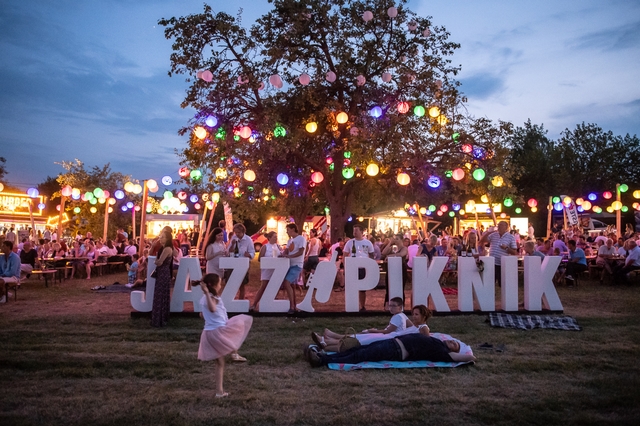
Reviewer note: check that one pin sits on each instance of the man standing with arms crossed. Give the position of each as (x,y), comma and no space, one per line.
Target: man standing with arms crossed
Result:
(501,243)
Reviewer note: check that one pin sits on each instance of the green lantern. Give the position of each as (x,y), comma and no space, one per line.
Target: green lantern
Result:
(348,173)
(624,187)
(478,174)
(279,132)
(419,111)
(508,202)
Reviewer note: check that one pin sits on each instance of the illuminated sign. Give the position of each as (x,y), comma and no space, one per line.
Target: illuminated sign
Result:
(18,204)
(53,220)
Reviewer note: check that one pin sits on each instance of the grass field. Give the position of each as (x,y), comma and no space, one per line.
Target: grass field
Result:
(69,356)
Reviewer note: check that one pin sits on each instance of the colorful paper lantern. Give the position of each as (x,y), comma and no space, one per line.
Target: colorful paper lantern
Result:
(623,188)
(557,207)
(282,179)
(211,121)
(33,192)
(532,202)
(181,195)
(375,112)
(434,112)
(433,181)
(372,169)
(151,185)
(200,132)
(592,196)
(403,179)
(249,175)
(466,148)
(182,171)
(444,207)
(193,198)
(458,174)
(279,132)
(555,200)
(617,205)
(195,174)
(41,206)
(508,202)
(403,107)
(386,77)
(330,77)
(478,174)
(317,177)
(497,181)
(518,210)
(311,127)
(367,16)
(304,79)
(586,205)
(348,173)
(419,111)
(607,195)
(221,173)
(245,132)
(342,117)
(66,190)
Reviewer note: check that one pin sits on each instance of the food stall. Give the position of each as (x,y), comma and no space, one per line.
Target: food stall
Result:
(177,222)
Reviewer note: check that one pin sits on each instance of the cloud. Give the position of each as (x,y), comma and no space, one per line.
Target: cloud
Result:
(482,86)
(615,38)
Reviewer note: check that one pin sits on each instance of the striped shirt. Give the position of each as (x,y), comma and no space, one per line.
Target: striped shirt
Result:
(495,241)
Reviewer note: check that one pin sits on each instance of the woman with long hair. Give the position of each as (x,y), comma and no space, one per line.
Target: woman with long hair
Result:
(162,292)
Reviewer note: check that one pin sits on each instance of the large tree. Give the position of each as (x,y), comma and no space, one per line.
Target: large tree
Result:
(285,82)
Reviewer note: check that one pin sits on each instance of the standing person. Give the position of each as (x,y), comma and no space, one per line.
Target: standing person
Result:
(240,245)
(311,258)
(214,250)
(501,243)
(9,268)
(161,295)
(359,246)
(270,249)
(221,335)
(11,236)
(156,246)
(531,232)
(295,252)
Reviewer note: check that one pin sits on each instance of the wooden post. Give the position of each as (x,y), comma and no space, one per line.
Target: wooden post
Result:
(33,223)
(201,228)
(62,200)
(618,214)
(106,220)
(550,212)
(213,209)
(133,222)
(143,216)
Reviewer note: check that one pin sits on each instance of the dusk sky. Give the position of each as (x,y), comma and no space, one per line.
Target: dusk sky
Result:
(88,79)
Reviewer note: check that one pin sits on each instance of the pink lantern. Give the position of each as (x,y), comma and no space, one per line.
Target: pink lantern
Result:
(532,202)
(304,79)
(182,195)
(444,208)
(367,16)
(392,12)
(66,190)
(199,74)
(426,32)
(403,107)
(458,174)
(354,131)
(276,81)
(331,76)
(207,76)
(245,132)
(317,177)
(607,195)
(360,80)
(386,77)
(467,149)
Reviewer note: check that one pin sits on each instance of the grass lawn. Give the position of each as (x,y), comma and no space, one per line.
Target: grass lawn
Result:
(70,356)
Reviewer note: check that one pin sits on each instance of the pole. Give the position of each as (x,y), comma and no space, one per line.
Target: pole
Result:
(201,229)
(133,222)
(33,223)
(106,220)
(618,214)
(62,200)
(143,216)
(550,212)
(213,209)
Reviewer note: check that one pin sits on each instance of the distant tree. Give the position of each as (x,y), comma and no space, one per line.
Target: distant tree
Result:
(330,60)
(3,170)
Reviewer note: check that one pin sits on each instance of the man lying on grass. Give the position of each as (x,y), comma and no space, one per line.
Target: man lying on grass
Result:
(410,347)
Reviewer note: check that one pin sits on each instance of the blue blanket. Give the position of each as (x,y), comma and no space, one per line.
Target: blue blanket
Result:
(464,349)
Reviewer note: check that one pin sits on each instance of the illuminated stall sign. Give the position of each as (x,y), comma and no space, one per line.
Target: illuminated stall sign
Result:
(18,204)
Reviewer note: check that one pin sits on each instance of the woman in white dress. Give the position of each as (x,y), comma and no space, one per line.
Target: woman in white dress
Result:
(271,249)
(214,250)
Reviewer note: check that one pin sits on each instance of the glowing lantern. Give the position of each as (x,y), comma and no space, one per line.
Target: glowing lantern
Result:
(634,205)
(557,207)
(151,184)
(518,210)
(484,198)
(403,179)
(478,174)
(624,209)
(497,181)
(93,209)
(375,112)
(467,149)
(508,202)
(331,76)
(304,79)
(607,195)
(534,209)
(586,205)
(33,192)
(423,210)
(444,208)
(403,107)
(609,209)
(439,213)
(579,201)
(75,192)
(503,215)
(89,195)
(200,132)
(348,173)
(462,212)
(433,181)
(215,197)
(98,193)
(373,169)
(458,174)
(617,205)
(311,127)
(66,191)
(279,132)
(434,112)
(221,173)
(41,206)
(183,172)
(419,111)
(317,177)
(197,206)
(592,196)
(432,208)
(442,120)
(448,173)
(597,209)
(532,202)
(367,16)
(166,180)
(636,194)
(2,188)
(555,200)
(623,188)
(342,117)
(76,210)
(249,175)
(211,121)
(392,12)
(181,195)
(130,205)
(566,201)
(137,189)
(282,179)
(245,132)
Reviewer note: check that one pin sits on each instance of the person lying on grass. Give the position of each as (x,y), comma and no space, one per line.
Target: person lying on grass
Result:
(410,347)
(330,341)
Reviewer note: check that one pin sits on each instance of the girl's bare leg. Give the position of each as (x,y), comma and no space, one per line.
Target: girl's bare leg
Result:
(219,375)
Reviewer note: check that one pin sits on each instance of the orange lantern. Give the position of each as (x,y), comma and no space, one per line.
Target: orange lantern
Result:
(317,177)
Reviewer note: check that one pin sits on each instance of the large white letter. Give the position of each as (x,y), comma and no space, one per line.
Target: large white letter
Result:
(240,266)
(509,283)
(189,269)
(471,281)
(142,301)
(322,281)
(353,285)
(426,282)
(280,265)
(394,276)
(538,283)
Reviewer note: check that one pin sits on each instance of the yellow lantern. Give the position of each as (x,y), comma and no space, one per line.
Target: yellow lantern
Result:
(442,120)
(215,197)
(423,210)
(497,181)
(434,112)
(579,201)
(636,194)
(586,205)
(311,127)
(566,201)
(373,169)
(484,198)
(200,132)
(610,209)
(617,205)
(128,187)
(250,175)
(462,212)
(342,117)
(534,209)
(152,184)
(221,173)
(403,179)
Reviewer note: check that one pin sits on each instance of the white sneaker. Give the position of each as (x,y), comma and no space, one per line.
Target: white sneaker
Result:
(3,299)
(128,285)
(568,277)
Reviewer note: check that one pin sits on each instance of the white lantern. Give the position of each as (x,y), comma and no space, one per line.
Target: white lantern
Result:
(392,12)
(386,77)
(304,79)
(367,16)
(360,80)
(331,76)
(207,76)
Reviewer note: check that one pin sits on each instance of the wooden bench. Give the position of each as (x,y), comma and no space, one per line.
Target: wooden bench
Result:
(592,271)
(46,273)
(99,267)
(113,265)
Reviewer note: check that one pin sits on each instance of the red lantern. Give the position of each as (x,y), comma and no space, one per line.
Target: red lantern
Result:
(245,132)
(458,174)
(532,202)
(317,177)
(444,208)
(466,148)
(184,171)
(403,107)
(607,194)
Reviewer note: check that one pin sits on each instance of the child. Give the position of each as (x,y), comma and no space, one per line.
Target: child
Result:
(399,322)
(221,335)
(132,271)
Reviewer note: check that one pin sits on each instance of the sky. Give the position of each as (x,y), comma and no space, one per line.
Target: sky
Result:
(88,79)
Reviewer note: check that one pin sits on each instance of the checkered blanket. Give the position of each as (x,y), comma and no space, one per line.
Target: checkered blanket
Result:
(529,322)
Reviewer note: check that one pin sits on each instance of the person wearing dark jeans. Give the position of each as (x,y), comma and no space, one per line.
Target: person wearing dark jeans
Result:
(577,262)
(410,347)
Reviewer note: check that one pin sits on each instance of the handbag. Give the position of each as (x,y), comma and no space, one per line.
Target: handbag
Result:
(348,341)
(154,274)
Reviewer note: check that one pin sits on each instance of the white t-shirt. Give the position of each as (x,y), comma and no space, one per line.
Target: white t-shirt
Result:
(495,241)
(412,251)
(363,247)
(294,245)
(314,246)
(604,250)
(633,257)
(213,264)
(400,321)
(213,320)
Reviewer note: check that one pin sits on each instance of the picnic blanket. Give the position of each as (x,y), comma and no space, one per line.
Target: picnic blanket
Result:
(117,288)
(529,322)
(464,349)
